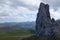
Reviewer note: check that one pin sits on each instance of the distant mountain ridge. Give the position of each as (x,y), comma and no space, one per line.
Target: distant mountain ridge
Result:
(20,24)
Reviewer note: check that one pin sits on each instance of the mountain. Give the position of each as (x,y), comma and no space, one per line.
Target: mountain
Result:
(26,24)
(12,25)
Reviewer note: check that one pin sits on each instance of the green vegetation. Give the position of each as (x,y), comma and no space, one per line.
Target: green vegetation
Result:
(15,34)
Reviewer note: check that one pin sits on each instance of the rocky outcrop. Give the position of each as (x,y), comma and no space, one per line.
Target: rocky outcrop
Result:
(44,23)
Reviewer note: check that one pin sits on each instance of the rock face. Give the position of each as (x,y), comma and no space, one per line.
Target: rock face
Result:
(44,23)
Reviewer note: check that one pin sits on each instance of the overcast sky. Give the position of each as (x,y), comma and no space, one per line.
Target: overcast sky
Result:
(25,10)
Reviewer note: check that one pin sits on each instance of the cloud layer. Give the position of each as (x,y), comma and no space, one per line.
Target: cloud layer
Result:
(25,10)
(18,10)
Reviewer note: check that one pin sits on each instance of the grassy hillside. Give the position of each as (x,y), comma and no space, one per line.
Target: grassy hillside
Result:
(14,32)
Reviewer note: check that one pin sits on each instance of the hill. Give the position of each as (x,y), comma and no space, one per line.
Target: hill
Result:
(15,31)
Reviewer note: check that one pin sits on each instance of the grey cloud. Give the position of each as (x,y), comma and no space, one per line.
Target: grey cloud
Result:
(4,14)
(16,3)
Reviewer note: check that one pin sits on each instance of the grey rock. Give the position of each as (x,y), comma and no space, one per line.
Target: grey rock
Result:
(44,23)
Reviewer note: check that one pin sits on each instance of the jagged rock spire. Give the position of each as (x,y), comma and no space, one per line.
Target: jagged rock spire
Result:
(44,23)
(43,18)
